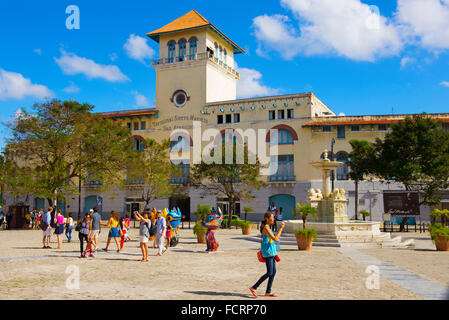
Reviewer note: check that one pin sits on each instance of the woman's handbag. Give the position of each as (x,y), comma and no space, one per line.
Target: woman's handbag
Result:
(259,256)
(78,227)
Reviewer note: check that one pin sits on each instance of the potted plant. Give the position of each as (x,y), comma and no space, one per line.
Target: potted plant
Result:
(304,236)
(442,214)
(198,230)
(245,226)
(440,236)
(247,210)
(365,214)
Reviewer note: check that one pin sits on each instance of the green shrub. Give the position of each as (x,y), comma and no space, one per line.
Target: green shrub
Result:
(243,224)
(437,229)
(308,233)
(202,211)
(234,220)
(198,229)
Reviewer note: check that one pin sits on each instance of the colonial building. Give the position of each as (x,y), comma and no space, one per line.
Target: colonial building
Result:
(196,81)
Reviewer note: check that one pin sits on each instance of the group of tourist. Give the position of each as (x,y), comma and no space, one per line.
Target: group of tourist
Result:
(89,228)
(151,226)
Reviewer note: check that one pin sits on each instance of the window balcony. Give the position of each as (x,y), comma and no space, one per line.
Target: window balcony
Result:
(195,57)
(276,178)
(180,180)
(93,183)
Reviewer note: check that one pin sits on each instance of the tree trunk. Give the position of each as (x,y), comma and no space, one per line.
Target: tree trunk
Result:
(231,211)
(304,221)
(356,204)
(246,215)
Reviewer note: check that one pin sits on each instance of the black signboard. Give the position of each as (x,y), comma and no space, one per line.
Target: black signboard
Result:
(401,203)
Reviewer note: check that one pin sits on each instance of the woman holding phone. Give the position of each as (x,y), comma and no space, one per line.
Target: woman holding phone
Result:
(268,249)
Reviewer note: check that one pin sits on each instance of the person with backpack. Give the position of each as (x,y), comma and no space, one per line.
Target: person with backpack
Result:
(83,228)
(144,233)
(45,225)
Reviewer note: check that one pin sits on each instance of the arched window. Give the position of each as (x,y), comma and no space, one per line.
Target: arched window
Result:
(216,50)
(182,49)
(180,143)
(225,57)
(192,48)
(138,144)
(282,137)
(171,51)
(220,49)
(342,171)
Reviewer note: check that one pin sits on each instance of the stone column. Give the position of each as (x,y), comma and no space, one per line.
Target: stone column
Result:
(326,183)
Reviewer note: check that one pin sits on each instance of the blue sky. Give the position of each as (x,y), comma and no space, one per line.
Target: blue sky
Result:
(356,59)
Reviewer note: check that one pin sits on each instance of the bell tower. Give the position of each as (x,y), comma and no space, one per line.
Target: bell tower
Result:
(195,65)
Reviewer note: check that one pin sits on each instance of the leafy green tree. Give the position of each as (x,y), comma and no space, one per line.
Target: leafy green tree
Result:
(415,153)
(361,162)
(62,142)
(234,179)
(151,170)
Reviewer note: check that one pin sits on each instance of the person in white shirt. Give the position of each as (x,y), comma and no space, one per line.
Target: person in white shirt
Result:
(69,227)
(161,228)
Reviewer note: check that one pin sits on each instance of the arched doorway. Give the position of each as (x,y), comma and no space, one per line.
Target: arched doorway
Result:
(287,202)
(92,201)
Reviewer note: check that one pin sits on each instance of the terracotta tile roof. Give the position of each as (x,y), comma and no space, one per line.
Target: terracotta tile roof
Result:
(191,20)
(354,121)
(129,113)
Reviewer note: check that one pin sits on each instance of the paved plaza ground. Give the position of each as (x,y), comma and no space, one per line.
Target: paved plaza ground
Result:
(186,272)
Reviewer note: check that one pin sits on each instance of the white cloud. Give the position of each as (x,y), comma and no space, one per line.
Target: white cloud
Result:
(425,22)
(407,61)
(141,100)
(14,86)
(347,28)
(72,88)
(136,47)
(341,114)
(71,64)
(38,51)
(250,85)
(445,83)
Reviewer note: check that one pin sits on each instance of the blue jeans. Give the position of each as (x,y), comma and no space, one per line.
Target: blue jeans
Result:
(271,272)
(68,232)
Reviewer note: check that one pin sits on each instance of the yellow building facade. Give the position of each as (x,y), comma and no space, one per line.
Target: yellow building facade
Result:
(196,84)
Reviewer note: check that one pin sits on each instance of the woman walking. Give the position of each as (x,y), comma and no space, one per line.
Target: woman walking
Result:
(59,227)
(114,230)
(83,228)
(144,233)
(69,227)
(268,249)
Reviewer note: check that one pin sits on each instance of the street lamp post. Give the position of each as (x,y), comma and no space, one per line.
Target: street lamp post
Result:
(332,159)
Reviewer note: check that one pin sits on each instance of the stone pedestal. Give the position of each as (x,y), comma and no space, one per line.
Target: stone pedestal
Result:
(330,211)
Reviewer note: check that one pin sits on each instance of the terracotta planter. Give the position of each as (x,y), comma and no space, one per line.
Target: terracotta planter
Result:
(303,242)
(442,243)
(246,231)
(201,238)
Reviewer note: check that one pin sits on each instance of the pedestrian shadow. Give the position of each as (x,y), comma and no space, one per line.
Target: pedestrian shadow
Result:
(214,293)
(32,248)
(429,250)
